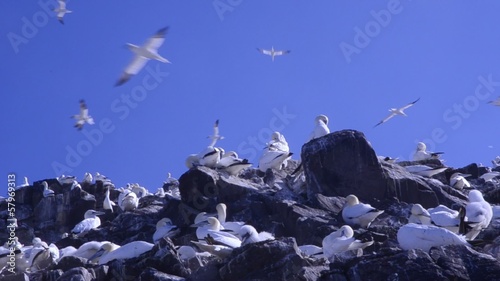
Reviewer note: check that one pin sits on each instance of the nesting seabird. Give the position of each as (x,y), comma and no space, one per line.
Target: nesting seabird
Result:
(90,221)
(423,170)
(220,237)
(63,179)
(321,127)
(75,185)
(219,251)
(419,215)
(274,160)
(87,178)
(396,111)
(277,143)
(46,190)
(215,137)
(273,53)
(43,256)
(479,213)
(61,10)
(417,236)
(355,213)
(127,200)
(233,226)
(341,241)
(88,249)
(421,153)
(230,163)
(192,161)
(108,203)
(458,181)
(143,54)
(165,228)
(83,117)
(110,251)
(25,183)
(489,176)
(250,235)
(449,219)
(210,156)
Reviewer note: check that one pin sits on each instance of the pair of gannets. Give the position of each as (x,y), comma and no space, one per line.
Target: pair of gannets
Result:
(355,213)
(91,221)
(441,216)
(233,165)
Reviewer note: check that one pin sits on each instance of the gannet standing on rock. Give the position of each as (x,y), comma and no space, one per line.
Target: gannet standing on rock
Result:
(234,226)
(63,179)
(87,250)
(417,236)
(489,176)
(419,215)
(25,183)
(479,214)
(127,200)
(43,256)
(108,204)
(75,185)
(250,235)
(143,54)
(46,190)
(321,128)
(221,237)
(273,160)
(422,154)
(87,178)
(448,219)
(230,163)
(341,241)
(90,221)
(165,228)
(210,156)
(192,161)
(278,143)
(355,213)
(423,170)
(458,181)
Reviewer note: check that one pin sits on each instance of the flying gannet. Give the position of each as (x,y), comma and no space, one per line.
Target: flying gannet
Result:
(396,111)
(83,117)
(61,10)
(273,53)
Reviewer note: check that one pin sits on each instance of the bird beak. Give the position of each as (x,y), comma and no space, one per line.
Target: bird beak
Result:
(99,213)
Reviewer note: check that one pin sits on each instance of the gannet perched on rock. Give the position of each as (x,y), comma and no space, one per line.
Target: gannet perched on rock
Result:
(273,160)
(165,228)
(108,204)
(422,154)
(210,156)
(90,221)
(43,256)
(220,237)
(417,236)
(355,213)
(230,163)
(127,200)
(423,170)
(110,251)
(250,235)
(25,183)
(341,241)
(63,179)
(46,190)
(458,181)
(479,213)
(87,178)
(278,143)
(419,215)
(448,219)
(233,226)
(321,128)
(489,176)
(143,54)
(87,250)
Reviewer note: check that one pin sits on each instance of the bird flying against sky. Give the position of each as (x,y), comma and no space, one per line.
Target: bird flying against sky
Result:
(273,52)
(396,111)
(142,54)
(83,116)
(61,10)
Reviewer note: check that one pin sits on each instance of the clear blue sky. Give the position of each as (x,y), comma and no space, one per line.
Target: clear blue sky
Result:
(350,60)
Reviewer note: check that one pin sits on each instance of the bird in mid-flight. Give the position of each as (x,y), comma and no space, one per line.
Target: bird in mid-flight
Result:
(273,53)
(396,111)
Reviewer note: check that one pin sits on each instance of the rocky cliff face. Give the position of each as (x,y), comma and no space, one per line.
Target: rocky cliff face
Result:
(297,212)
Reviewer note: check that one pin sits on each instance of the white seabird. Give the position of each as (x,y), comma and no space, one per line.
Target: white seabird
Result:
(90,221)
(321,128)
(107,204)
(220,237)
(46,190)
(422,154)
(479,214)
(448,219)
(341,241)
(496,161)
(419,215)
(192,161)
(88,249)
(110,251)
(66,251)
(75,185)
(250,235)
(140,191)
(458,181)
(311,250)
(143,54)
(417,236)
(127,200)
(61,10)
(355,213)
(423,170)
(230,163)
(210,156)
(99,177)
(489,176)
(42,256)
(215,137)
(396,111)
(278,143)
(233,226)
(220,251)
(87,178)
(25,183)
(83,117)
(63,179)
(165,228)
(273,53)
(274,160)
(171,180)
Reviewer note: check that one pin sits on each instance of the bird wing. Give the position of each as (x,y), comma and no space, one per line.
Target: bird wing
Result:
(133,68)
(408,105)
(265,52)
(155,41)
(385,120)
(62,4)
(283,52)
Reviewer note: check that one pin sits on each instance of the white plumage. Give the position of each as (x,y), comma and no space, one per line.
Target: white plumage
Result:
(250,235)
(90,221)
(341,241)
(127,200)
(321,128)
(417,236)
(46,190)
(214,230)
(273,160)
(230,163)
(355,213)
(458,181)
(164,228)
(423,170)
(111,251)
(419,215)
(479,213)
(108,204)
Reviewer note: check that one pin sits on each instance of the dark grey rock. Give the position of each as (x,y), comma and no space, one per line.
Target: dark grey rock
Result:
(77,274)
(151,274)
(69,262)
